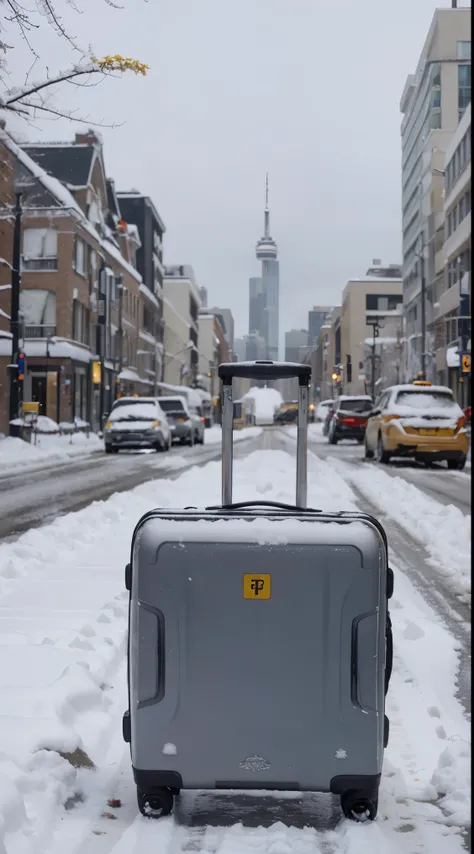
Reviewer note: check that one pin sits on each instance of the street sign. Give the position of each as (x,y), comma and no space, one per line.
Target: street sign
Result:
(465,363)
(21,367)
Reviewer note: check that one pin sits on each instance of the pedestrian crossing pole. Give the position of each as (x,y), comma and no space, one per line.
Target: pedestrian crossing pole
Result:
(15,382)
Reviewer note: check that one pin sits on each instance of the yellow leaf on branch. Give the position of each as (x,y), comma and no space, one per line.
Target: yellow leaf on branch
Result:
(120,63)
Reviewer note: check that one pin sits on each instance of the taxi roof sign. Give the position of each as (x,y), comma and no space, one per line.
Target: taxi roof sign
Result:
(422,382)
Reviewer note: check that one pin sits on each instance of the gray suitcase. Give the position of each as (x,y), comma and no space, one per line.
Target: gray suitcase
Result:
(259,641)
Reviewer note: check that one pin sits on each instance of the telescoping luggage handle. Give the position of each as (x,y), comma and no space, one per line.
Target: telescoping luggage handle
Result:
(265,370)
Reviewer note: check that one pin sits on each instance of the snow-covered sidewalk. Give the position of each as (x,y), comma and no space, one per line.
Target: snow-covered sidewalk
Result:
(17,455)
(63,616)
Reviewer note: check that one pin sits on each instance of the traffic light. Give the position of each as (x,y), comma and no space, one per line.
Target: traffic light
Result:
(466,363)
(21,367)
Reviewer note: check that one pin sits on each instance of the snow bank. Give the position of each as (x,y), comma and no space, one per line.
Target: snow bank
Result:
(213,435)
(266,401)
(452,781)
(17,455)
(442,529)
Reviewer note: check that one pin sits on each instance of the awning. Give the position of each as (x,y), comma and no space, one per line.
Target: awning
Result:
(129,376)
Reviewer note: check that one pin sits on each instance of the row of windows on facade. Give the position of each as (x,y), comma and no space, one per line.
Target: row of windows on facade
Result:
(40,254)
(457,268)
(459,161)
(459,212)
(382,302)
(433,121)
(38,315)
(428,116)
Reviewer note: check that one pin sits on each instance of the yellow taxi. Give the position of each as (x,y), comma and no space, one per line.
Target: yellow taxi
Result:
(419,420)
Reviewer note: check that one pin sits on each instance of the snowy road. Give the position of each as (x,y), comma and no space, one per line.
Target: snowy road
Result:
(33,498)
(63,614)
(447,487)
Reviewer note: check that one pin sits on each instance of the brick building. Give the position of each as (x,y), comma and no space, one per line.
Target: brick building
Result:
(78,257)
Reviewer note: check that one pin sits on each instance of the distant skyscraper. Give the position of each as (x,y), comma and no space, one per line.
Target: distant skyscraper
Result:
(264,292)
(203,296)
(257,320)
(295,339)
(316,319)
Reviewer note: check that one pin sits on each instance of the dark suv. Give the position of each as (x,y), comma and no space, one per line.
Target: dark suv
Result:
(349,418)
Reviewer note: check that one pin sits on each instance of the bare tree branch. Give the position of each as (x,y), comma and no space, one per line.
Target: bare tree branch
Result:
(63,114)
(29,99)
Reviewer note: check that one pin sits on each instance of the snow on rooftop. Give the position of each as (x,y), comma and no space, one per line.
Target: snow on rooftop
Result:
(374,279)
(66,199)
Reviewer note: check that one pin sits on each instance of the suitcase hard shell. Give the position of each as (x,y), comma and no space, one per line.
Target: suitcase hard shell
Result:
(257,644)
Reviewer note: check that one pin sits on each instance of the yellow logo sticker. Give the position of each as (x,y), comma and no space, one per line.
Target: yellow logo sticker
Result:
(257,586)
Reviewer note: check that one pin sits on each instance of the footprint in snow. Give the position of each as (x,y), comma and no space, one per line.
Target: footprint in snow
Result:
(413,632)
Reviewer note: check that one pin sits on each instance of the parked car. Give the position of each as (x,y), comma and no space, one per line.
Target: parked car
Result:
(186,421)
(286,416)
(419,421)
(322,408)
(349,418)
(136,422)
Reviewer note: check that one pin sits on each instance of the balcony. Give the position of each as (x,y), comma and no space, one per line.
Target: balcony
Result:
(40,331)
(39,265)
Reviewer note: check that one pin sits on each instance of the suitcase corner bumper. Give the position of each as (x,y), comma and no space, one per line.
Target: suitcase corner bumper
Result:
(126,728)
(367,783)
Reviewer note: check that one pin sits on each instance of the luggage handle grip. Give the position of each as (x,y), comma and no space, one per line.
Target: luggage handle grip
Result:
(264,369)
(278,505)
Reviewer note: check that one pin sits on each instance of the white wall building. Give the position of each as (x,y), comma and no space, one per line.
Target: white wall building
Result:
(452,317)
(181,302)
(208,349)
(433,101)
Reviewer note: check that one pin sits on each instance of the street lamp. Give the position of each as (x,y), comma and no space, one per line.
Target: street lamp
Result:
(375,334)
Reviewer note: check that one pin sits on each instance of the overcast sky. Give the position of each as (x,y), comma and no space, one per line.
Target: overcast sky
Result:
(307,90)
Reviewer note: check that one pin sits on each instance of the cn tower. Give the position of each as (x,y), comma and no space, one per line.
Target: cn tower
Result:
(266,251)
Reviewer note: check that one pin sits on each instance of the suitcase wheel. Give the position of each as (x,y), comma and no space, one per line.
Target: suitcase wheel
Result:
(156,805)
(359,806)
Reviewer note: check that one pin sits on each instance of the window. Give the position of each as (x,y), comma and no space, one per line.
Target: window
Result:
(463,50)
(80,323)
(464,87)
(348,369)
(379,302)
(40,249)
(452,273)
(80,256)
(38,312)
(436,98)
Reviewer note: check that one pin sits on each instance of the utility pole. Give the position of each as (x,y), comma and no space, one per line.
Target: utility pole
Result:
(463,331)
(423,306)
(15,319)
(101,328)
(119,288)
(375,334)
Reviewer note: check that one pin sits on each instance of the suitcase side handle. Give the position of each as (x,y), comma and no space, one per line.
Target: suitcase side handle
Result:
(278,505)
(265,370)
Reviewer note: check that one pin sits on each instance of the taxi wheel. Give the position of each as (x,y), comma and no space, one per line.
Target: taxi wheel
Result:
(382,455)
(369,455)
(457,465)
